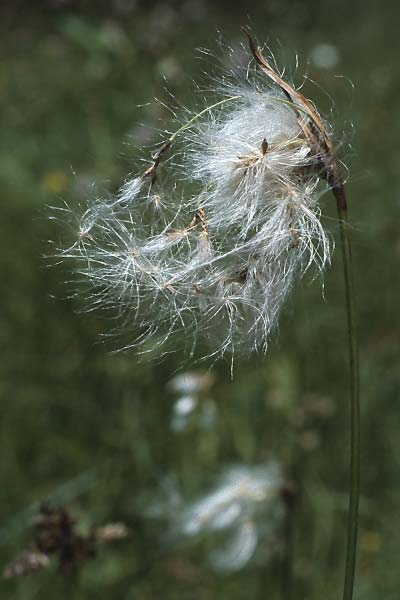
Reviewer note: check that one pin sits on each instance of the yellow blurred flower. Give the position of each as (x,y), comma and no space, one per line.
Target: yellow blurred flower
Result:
(54,182)
(371,541)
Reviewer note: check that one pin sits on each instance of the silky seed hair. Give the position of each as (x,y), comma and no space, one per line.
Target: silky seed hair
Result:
(213,255)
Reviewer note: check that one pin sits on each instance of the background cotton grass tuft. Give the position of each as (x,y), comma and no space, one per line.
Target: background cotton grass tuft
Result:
(239,518)
(194,406)
(216,253)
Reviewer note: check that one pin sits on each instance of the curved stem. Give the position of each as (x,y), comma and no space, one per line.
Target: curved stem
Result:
(352,525)
(220,103)
(200,114)
(150,173)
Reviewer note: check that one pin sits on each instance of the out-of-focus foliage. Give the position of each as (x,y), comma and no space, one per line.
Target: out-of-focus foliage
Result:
(94,431)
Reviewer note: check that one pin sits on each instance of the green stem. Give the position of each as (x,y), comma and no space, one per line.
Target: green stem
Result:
(224,101)
(352,525)
(200,114)
(287,567)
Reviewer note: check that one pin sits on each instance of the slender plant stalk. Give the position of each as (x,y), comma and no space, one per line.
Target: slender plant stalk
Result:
(352,525)
(315,132)
(287,567)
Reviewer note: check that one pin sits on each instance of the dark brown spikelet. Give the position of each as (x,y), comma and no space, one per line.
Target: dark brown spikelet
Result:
(56,536)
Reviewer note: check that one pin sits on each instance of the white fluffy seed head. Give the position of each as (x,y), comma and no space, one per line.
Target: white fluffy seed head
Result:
(240,517)
(220,263)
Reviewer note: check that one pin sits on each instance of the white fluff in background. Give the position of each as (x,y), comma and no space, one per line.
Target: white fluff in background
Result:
(215,255)
(239,520)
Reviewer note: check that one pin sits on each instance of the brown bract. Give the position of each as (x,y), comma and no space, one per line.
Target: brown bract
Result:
(313,128)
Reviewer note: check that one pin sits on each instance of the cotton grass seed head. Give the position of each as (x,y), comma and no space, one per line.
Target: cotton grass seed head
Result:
(215,254)
(239,519)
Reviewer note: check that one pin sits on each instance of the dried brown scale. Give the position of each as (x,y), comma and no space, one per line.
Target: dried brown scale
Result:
(198,217)
(264,147)
(151,172)
(201,215)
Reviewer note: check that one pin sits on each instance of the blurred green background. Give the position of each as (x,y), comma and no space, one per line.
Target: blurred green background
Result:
(91,430)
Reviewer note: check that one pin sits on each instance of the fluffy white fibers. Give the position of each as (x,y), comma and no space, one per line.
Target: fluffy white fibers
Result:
(215,256)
